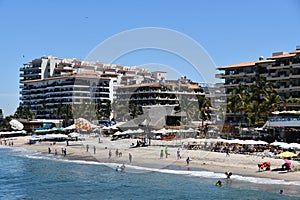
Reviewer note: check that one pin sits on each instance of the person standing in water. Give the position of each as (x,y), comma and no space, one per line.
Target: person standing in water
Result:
(188,160)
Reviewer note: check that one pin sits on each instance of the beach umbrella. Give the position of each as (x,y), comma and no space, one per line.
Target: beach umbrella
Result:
(287,154)
(261,142)
(294,145)
(74,134)
(140,130)
(119,133)
(16,125)
(82,124)
(235,141)
(70,127)
(278,143)
(284,146)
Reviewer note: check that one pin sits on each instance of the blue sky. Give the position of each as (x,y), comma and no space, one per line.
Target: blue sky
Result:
(230,31)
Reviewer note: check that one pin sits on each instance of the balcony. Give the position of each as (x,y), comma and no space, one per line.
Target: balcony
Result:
(283,89)
(281,66)
(277,78)
(222,75)
(294,87)
(294,76)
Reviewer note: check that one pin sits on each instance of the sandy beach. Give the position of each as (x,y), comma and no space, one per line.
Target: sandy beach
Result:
(238,164)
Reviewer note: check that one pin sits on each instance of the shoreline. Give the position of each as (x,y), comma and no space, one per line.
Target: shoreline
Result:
(238,164)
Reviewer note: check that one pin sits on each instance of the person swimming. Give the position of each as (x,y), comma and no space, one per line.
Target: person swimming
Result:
(123,167)
(281,192)
(219,183)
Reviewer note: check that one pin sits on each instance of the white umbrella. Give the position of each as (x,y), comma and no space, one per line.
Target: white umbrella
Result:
(278,143)
(139,130)
(294,145)
(16,125)
(70,127)
(74,134)
(189,130)
(235,141)
(118,133)
(261,142)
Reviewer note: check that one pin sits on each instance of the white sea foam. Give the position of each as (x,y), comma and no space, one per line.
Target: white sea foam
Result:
(132,168)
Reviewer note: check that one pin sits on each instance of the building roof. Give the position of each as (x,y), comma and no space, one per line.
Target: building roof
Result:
(245,64)
(142,85)
(288,55)
(296,51)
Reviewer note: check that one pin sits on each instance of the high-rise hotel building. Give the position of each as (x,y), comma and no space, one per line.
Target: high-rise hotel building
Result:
(282,69)
(48,82)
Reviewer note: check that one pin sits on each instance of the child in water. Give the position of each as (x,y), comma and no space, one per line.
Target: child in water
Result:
(219,183)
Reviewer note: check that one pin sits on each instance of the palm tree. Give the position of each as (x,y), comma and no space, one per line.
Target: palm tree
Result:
(271,103)
(28,113)
(254,110)
(135,109)
(20,112)
(238,101)
(103,110)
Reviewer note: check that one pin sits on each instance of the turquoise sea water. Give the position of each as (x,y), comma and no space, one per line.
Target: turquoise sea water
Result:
(31,175)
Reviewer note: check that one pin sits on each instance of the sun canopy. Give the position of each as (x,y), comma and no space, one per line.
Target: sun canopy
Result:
(72,127)
(287,154)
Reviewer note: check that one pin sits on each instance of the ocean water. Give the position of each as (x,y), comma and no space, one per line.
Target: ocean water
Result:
(31,175)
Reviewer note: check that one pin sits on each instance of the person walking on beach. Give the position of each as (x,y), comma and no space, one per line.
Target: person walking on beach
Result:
(87,148)
(49,150)
(178,154)
(161,154)
(227,152)
(117,152)
(94,149)
(130,157)
(166,152)
(109,154)
(65,151)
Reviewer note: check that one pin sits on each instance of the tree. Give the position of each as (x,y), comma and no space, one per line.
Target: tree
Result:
(256,102)
(103,110)
(238,101)
(20,112)
(135,109)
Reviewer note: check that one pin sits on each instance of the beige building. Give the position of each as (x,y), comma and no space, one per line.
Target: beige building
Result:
(282,69)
